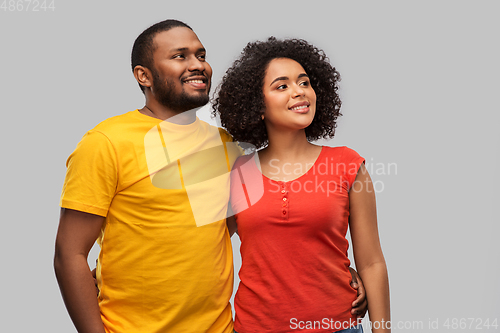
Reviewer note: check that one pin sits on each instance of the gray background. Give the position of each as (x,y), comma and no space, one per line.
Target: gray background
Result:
(420,89)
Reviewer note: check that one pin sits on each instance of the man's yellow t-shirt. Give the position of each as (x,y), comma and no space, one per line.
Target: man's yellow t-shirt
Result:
(165,263)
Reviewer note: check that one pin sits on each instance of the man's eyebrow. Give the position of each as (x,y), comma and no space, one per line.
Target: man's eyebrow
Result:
(182,49)
(284,78)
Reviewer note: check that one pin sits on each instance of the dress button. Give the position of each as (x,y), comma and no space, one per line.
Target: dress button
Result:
(284,199)
(284,204)
(284,212)
(283,191)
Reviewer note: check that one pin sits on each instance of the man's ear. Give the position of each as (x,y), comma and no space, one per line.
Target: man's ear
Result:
(143,76)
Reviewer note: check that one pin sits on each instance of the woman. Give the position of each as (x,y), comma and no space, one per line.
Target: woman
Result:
(281,95)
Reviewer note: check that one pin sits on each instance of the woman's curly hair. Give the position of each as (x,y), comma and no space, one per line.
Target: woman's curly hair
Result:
(240,99)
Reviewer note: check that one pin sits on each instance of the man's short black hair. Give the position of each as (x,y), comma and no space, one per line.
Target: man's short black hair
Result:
(144,46)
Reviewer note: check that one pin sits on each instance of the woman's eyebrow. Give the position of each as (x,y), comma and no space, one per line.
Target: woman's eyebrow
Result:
(281,78)
(284,78)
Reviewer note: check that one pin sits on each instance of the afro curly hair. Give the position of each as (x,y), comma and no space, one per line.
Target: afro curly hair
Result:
(239,97)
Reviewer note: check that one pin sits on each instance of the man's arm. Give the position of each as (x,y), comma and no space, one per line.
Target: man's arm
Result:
(75,237)
(231,225)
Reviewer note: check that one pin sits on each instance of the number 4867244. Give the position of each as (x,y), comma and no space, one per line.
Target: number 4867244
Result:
(28,5)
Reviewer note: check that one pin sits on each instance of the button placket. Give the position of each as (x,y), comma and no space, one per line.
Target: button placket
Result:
(285,201)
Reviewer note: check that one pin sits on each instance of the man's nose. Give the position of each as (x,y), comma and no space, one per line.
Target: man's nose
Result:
(196,64)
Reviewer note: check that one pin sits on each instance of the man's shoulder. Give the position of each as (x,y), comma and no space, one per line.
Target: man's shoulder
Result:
(127,126)
(115,121)
(225,136)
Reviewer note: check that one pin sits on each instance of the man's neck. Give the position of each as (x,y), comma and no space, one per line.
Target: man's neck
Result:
(156,110)
(184,118)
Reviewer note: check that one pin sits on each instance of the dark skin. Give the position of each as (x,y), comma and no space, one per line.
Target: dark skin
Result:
(177,67)
(360,304)
(76,234)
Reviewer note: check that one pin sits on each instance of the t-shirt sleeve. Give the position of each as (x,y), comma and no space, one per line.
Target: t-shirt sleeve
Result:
(247,184)
(232,148)
(352,162)
(91,176)
(226,137)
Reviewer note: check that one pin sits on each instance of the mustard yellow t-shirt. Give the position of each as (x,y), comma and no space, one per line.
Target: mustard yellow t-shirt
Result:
(165,263)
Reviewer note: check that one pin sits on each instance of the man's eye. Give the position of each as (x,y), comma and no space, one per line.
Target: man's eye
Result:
(202,57)
(178,56)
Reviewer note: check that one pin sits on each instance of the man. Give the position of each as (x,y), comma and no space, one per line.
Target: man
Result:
(151,195)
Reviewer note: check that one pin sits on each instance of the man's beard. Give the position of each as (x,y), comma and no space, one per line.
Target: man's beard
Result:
(176,102)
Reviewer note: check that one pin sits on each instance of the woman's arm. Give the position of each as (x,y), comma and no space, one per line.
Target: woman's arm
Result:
(368,255)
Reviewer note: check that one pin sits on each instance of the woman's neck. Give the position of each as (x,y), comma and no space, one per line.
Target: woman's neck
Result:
(287,151)
(287,146)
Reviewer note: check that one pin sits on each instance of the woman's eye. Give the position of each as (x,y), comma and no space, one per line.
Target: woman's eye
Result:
(305,83)
(281,87)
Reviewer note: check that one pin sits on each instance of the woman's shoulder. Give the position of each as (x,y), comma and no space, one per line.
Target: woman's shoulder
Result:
(340,151)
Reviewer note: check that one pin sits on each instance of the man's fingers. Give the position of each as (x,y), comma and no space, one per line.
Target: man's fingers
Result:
(95,280)
(357,301)
(359,306)
(353,276)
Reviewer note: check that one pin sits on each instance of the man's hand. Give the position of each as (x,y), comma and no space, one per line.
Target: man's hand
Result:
(360,304)
(95,279)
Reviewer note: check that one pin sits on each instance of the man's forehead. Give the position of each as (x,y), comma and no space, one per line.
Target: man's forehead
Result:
(177,39)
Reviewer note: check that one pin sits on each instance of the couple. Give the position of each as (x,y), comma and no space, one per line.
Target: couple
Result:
(159,270)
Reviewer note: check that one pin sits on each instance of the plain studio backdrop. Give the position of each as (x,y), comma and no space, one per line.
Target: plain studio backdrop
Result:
(420,84)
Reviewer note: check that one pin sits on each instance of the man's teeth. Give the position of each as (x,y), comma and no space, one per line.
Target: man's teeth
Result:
(194,81)
(299,107)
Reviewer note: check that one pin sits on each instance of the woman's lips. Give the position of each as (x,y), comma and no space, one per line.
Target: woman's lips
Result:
(301,107)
